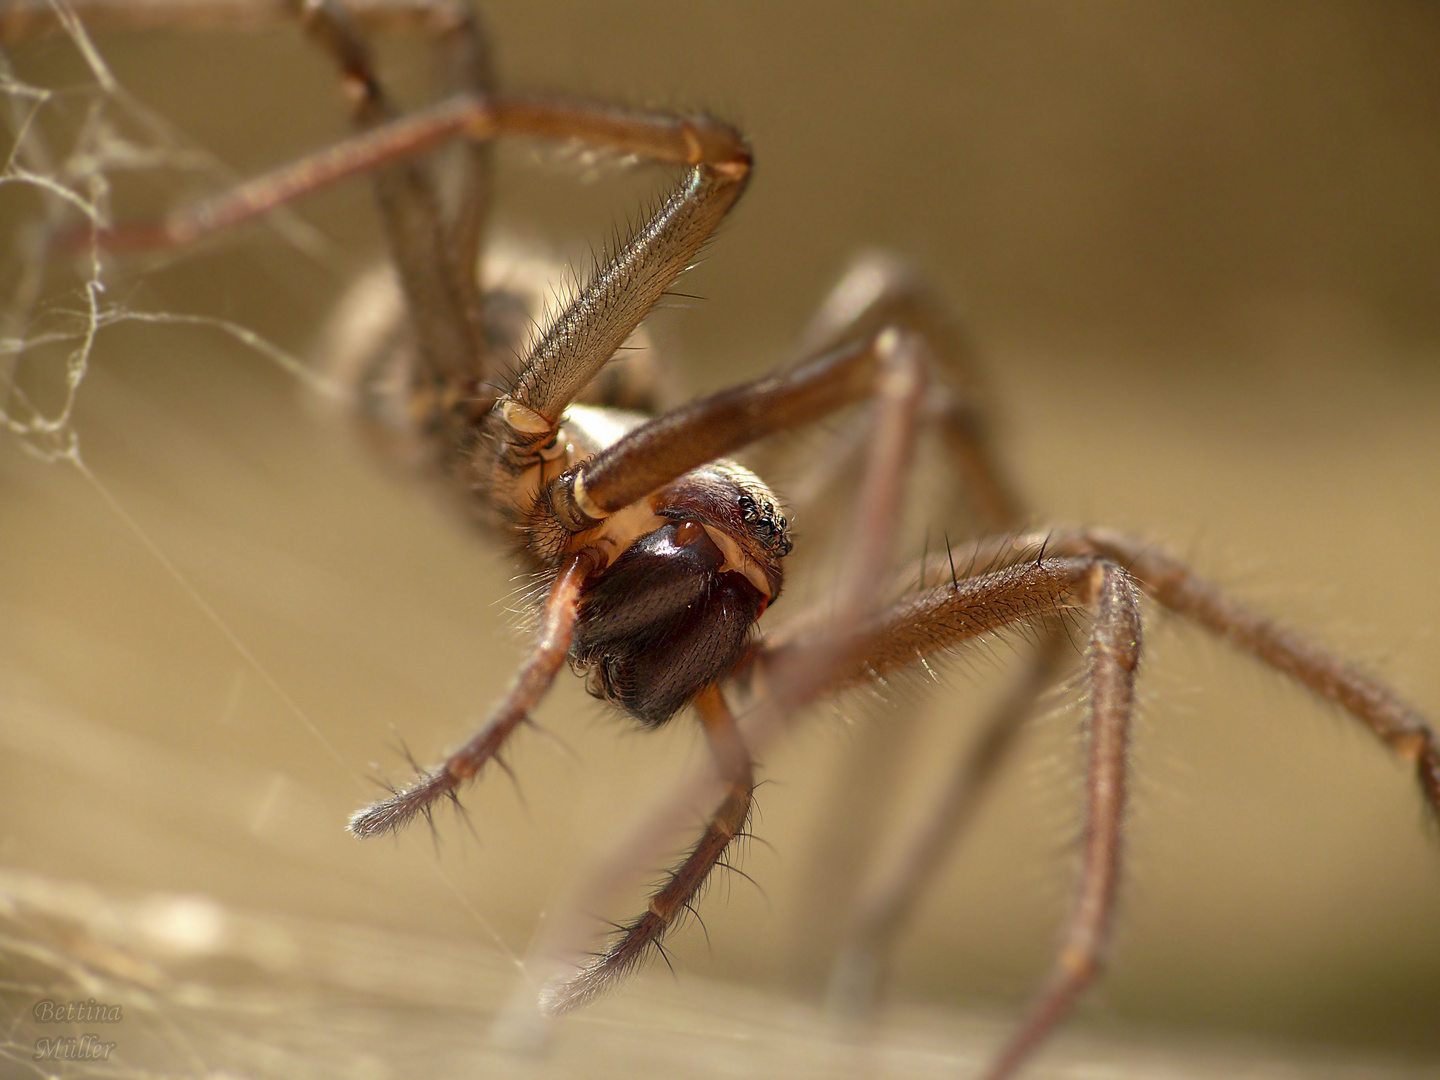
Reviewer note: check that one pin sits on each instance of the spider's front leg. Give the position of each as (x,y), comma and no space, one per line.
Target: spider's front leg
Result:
(945,617)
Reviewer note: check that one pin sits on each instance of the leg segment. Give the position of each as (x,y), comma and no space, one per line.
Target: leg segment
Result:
(887,901)
(649,457)
(635,941)
(947,616)
(1178,588)
(1175,585)
(879,291)
(546,658)
(610,306)
(1114,654)
(696,141)
(437,277)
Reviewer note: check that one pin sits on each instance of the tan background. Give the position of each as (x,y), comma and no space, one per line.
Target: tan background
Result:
(1200,247)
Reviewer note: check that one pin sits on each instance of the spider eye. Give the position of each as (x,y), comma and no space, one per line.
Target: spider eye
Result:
(663,621)
(768,524)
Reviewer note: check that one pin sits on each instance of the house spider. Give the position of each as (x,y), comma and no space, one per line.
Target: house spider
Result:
(609,508)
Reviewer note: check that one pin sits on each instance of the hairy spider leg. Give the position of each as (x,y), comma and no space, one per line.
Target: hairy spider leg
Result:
(634,941)
(537,673)
(1177,587)
(941,617)
(435,254)
(892,888)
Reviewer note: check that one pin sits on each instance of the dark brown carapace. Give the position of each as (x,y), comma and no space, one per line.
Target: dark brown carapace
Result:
(657,555)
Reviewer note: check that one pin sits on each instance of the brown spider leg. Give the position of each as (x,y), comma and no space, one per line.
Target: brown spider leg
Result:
(437,277)
(1178,588)
(878,290)
(1114,654)
(941,618)
(660,137)
(1395,722)
(592,327)
(650,456)
(887,900)
(682,886)
(472,65)
(546,658)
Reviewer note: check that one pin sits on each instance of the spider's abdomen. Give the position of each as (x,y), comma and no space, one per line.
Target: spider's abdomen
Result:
(664,621)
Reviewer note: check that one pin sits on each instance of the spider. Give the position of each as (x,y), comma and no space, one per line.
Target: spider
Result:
(660,555)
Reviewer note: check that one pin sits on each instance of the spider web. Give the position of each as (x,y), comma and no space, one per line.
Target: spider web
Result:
(60,944)
(166,966)
(65,147)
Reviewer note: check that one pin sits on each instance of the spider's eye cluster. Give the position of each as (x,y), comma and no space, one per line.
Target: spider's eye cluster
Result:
(769,524)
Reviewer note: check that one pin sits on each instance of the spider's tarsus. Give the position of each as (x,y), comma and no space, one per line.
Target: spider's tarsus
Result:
(565,995)
(391,814)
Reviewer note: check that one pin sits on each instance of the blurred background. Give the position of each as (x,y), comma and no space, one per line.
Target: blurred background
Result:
(1198,246)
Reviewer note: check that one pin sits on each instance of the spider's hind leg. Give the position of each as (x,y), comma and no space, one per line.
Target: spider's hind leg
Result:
(443,354)
(879,291)
(895,883)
